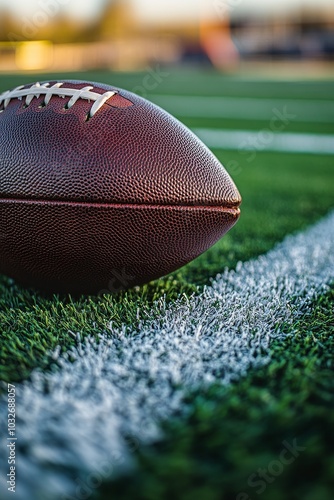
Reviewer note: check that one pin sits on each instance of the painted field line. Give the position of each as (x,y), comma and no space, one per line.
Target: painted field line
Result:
(247,108)
(73,421)
(249,140)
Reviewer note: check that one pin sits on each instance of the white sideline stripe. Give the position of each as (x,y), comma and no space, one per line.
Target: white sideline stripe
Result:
(249,140)
(132,379)
(246,108)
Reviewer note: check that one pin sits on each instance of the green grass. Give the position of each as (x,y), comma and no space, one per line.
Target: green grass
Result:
(257,125)
(32,325)
(190,82)
(232,431)
(281,193)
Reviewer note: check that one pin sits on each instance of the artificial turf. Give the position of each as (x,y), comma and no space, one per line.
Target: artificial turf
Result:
(281,193)
(231,444)
(232,431)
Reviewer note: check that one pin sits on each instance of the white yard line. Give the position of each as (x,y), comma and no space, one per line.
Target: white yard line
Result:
(302,110)
(249,140)
(73,420)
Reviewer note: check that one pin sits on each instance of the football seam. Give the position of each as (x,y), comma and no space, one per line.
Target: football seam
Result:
(219,208)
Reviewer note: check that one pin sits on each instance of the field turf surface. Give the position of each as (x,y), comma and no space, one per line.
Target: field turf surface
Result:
(236,430)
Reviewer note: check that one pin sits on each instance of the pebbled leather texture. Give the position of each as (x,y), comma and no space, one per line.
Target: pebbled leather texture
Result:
(107,203)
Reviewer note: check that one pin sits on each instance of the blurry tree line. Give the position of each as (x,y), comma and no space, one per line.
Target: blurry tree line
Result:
(49,22)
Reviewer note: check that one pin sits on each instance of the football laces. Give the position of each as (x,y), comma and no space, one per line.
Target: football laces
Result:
(36,90)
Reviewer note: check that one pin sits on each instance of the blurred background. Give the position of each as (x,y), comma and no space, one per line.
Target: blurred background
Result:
(127,35)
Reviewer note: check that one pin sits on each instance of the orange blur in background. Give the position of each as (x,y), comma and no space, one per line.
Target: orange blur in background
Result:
(215,34)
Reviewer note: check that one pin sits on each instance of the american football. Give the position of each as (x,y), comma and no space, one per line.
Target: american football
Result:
(97,181)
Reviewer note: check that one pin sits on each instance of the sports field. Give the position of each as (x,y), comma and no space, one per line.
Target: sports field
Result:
(215,382)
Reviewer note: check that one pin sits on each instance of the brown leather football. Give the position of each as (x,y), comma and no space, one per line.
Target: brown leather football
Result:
(101,190)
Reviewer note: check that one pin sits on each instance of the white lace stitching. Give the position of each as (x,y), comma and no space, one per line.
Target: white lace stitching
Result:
(56,90)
